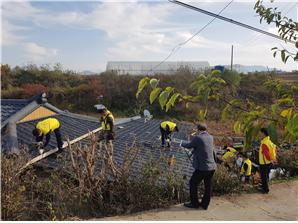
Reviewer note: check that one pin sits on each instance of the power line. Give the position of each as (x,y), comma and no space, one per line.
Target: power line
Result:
(259,35)
(178,46)
(229,20)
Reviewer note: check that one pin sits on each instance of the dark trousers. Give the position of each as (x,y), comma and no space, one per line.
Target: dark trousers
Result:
(264,172)
(164,135)
(247,179)
(195,180)
(106,135)
(58,138)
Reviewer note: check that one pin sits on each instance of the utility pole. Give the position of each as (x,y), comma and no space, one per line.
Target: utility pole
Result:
(232,52)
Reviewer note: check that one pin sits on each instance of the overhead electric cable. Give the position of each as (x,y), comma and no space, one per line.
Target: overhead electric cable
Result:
(177,47)
(259,35)
(229,20)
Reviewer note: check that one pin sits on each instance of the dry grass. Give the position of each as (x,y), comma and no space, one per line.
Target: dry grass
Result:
(288,159)
(92,186)
(225,181)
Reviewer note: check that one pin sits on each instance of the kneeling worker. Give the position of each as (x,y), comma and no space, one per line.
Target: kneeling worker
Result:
(229,157)
(246,168)
(45,128)
(166,129)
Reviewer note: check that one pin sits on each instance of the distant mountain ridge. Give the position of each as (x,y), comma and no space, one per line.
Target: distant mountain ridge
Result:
(87,72)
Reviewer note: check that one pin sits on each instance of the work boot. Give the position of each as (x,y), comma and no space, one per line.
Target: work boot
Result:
(190,205)
(202,206)
(262,191)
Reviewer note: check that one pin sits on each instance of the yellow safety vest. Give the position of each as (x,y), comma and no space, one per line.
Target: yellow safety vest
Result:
(272,151)
(229,155)
(249,166)
(231,149)
(171,125)
(104,124)
(48,125)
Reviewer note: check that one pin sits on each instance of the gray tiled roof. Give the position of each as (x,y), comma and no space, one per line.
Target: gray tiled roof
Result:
(11,106)
(145,136)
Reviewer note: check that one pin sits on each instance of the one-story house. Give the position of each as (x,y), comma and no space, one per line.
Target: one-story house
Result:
(19,117)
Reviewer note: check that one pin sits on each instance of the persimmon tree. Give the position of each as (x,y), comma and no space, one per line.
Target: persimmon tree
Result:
(287,29)
(248,114)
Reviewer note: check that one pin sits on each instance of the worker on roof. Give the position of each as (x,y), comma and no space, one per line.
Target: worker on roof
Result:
(267,158)
(45,128)
(246,168)
(166,129)
(107,124)
(107,134)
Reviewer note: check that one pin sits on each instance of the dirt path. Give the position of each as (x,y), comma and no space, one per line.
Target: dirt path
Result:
(280,204)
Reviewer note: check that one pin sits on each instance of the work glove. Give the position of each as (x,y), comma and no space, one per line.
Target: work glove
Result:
(65,144)
(39,145)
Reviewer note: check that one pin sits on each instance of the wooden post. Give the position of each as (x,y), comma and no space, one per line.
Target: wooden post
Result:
(52,151)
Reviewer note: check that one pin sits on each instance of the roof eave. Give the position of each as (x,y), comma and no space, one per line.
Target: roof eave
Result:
(21,114)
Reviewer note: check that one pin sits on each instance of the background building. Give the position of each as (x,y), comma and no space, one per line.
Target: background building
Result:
(145,68)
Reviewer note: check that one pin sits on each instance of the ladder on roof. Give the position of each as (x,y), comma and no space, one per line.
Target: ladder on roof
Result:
(52,151)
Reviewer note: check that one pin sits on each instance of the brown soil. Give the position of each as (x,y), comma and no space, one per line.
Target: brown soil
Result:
(280,204)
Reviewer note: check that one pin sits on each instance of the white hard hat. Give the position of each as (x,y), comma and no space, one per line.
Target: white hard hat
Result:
(100,107)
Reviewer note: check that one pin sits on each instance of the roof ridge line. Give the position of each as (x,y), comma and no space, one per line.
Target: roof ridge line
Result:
(133,118)
(75,115)
(14,99)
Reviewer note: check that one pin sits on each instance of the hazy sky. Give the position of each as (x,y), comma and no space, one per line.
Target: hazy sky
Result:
(84,35)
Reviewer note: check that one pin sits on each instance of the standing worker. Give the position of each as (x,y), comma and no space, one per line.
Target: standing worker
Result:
(166,129)
(204,165)
(45,128)
(246,168)
(267,158)
(107,124)
(107,135)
